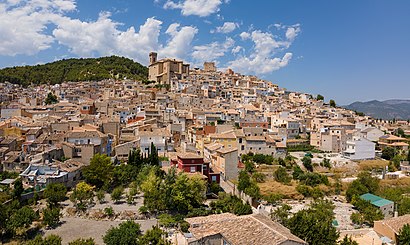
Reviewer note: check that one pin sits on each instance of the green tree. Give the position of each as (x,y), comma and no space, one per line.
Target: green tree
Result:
(404,206)
(244,180)
(367,212)
(332,103)
(404,235)
(348,241)
(109,211)
(51,216)
(326,163)
(154,236)
(82,241)
(21,220)
(249,166)
(281,175)
(51,99)
(153,158)
(388,153)
(82,195)
(100,196)
(55,193)
(48,240)
(320,97)
(100,171)
(187,193)
(230,203)
(154,193)
(363,184)
(127,233)
(297,172)
(259,177)
(307,162)
(117,193)
(281,214)
(18,188)
(314,225)
(357,218)
(400,132)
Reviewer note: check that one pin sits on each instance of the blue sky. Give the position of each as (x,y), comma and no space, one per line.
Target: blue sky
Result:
(352,50)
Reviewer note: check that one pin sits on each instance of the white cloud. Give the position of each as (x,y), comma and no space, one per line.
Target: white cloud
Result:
(30,26)
(23,28)
(245,35)
(227,27)
(102,37)
(237,49)
(262,58)
(41,23)
(200,8)
(179,44)
(212,51)
(292,32)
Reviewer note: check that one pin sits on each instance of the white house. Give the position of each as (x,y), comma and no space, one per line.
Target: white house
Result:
(372,134)
(359,148)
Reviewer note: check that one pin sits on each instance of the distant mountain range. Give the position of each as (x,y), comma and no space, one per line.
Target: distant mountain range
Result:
(388,109)
(81,69)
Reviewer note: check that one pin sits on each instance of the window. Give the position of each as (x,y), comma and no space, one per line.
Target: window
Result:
(204,167)
(213,178)
(193,169)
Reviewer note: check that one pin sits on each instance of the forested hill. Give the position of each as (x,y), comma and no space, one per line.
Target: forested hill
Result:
(89,69)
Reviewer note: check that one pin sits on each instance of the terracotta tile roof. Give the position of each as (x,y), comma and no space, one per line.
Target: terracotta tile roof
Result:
(247,229)
(189,155)
(396,223)
(227,150)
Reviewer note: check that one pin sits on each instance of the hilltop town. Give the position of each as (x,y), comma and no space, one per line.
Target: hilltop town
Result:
(197,156)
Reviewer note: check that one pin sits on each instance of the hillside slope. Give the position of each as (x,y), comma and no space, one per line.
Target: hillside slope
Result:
(389,109)
(89,69)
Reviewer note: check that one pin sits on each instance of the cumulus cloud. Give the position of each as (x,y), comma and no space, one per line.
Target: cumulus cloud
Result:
(212,51)
(23,28)
(237,49)
(179,44)
(263,56)
(44,22)
(292,32)
(227,27)
(245,35)
(30,26)
(200,8)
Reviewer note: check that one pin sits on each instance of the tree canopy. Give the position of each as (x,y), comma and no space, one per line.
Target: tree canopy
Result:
(314,225)
(404,235)
(100,171)
(73,70)
(127,232)
(55,193)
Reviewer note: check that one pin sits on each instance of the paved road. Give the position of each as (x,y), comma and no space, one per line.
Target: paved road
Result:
(227,187)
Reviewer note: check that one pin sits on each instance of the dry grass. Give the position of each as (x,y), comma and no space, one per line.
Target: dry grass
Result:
(372,164)
(266,168)
(344,171)
(401,182)
(273,187)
